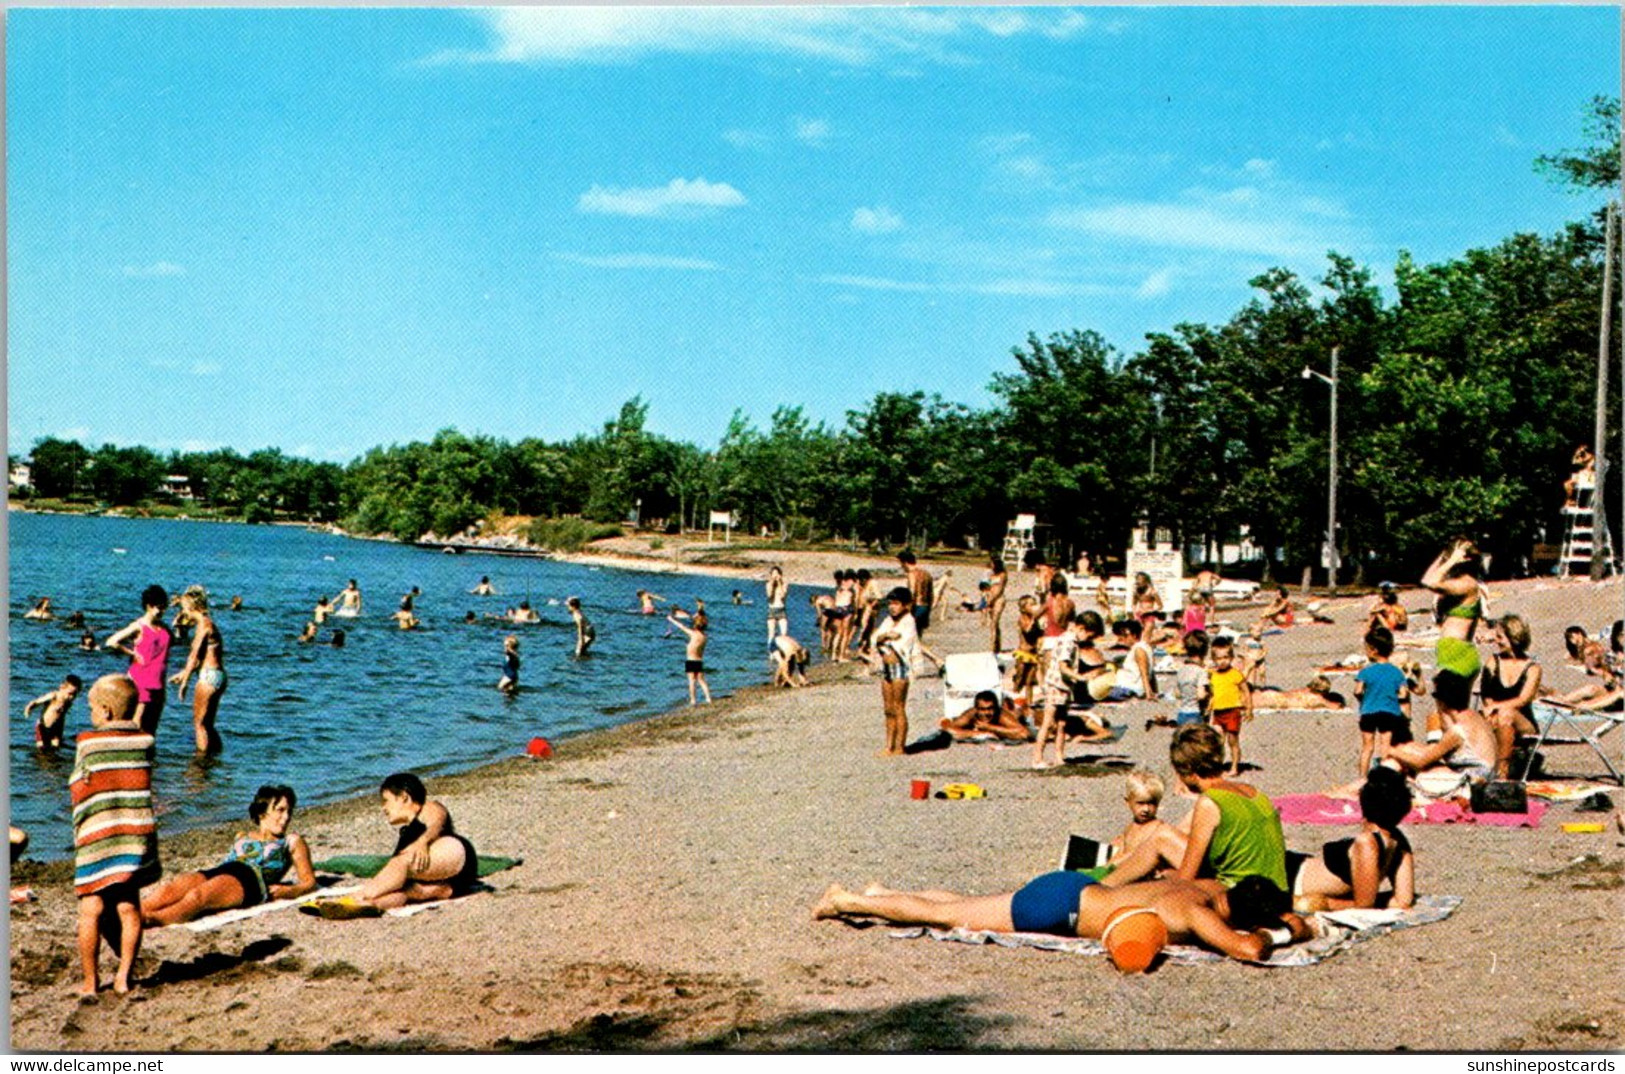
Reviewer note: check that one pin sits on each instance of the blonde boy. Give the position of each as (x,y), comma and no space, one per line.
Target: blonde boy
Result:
(1142,791)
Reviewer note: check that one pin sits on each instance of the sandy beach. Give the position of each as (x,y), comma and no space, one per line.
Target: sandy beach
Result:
(669,869)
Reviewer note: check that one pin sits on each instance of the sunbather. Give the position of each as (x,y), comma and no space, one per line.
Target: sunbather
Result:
(1349,872)
(1317,694)
(987,716)
(1244,921)
(251,873)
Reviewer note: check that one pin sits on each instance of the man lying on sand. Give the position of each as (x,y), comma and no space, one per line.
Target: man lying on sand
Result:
(987,717)
(1244,921)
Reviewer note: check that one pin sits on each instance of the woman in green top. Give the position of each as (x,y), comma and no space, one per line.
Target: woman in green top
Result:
(1233,832)
(1454,576)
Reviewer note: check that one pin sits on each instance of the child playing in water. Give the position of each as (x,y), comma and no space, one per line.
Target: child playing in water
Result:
(585,634)
(509,683)
(694,655)
(48,729)
(115,836)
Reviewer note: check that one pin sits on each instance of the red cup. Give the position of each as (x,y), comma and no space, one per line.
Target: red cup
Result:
(920,788)
(539,749)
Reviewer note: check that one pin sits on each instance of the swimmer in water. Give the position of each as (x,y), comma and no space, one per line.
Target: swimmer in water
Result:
(309,634)
(484,589)
(694,662)
(405,619)
(509,683)
(585,634)
(525,613)
(41,610)
(338,638)
(207,659)
(87,641)
(471,618)
(410,599)
(76,621)
(646,601)
(236,604)
(48,729)
(322,610)
(349,600)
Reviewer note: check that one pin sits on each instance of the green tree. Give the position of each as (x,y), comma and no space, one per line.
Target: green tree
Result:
(1594,166)
(58,467)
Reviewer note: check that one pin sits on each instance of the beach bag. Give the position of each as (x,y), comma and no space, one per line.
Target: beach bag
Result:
(1526,755)
(1500,796)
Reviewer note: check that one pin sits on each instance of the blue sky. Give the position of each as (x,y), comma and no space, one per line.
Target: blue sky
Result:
(323,230)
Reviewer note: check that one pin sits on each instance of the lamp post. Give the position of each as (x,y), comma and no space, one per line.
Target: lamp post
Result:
(1331,474)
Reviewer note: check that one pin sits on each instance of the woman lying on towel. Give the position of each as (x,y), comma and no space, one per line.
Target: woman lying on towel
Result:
(251,873)
(1348,873)
(1243,921)
(431,860)
(1317,695)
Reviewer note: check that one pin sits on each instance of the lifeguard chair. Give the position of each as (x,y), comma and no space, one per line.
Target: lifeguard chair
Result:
(1018,540)
(1583,536)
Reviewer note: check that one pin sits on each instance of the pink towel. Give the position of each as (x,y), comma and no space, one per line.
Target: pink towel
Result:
(1320,809)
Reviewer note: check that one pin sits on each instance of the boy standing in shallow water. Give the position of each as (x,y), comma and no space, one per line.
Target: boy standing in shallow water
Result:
(694,662)
(48,730)
(115,836)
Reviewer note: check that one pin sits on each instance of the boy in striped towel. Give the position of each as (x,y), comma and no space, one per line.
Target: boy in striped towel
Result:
(115,839)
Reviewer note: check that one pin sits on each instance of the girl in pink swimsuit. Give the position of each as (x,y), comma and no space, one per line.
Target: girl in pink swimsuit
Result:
(148,656)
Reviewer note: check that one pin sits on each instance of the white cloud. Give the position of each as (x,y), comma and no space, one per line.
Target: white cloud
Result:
(639,261)
(877,221)
(1155,285)
(1017,287)
(850,35)
(743,139)
(814,132)
(875,283)
(204,369)
(676,197)
(1271,217)
(156,270)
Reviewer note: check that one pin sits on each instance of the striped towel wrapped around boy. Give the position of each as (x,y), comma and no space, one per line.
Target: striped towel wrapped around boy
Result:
(115,838)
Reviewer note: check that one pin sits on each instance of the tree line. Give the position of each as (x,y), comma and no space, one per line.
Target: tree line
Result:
(1460,403)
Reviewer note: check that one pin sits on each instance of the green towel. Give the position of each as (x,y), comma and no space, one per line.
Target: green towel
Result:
(368,864)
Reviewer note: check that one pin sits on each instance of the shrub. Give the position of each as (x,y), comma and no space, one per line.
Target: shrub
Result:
(568,534)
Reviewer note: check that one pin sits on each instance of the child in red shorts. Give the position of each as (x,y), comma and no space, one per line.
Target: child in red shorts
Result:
(1231,702)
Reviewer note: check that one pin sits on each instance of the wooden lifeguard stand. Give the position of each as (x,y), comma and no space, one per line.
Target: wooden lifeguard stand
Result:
(1018,540)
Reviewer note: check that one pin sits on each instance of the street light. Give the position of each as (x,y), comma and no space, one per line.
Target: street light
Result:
(1331,474)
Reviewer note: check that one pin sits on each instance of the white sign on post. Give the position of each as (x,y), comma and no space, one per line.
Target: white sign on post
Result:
(1166,567)
(725,519)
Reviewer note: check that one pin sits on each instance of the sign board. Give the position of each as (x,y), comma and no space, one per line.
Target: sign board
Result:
(722,518)
(725,519)
(1167,570)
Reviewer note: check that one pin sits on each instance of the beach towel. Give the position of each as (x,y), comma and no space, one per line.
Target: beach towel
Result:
(1564,790)
(1323,809)
(365,865)
(115,838)
(1340,931)
(231,917)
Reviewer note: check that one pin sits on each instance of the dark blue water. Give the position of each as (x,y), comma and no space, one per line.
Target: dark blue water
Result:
(331,722)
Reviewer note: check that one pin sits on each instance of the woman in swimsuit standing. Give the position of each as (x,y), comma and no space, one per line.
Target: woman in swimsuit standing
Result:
(778,590)
(149,656)
(1056,617)
(1454,576)
(1509,686)
(208,658)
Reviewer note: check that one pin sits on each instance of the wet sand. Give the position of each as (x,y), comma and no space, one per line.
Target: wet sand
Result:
(670,867)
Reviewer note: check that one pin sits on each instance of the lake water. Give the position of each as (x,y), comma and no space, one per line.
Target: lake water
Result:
(332,722)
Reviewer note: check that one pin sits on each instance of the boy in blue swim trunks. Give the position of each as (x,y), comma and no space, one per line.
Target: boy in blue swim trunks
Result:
(1244,921)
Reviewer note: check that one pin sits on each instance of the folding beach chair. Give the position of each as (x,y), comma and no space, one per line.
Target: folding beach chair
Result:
(964,675)
(1563,726)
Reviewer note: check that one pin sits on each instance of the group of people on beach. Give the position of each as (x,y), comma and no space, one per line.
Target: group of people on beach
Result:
(116,854)
(1223,875)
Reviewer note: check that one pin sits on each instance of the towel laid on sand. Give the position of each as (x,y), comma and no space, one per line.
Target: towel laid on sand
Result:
(1342,929)
(231,917)
(365,865)
(1323,809)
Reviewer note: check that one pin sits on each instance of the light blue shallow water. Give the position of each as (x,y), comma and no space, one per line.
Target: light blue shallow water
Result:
(331,722)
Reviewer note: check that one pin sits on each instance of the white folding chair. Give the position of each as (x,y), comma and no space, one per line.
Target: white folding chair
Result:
(1560,725)
(964,675)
